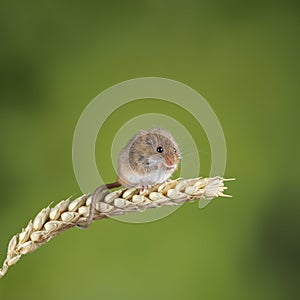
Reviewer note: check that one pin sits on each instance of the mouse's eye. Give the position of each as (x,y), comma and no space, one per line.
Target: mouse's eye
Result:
(159,149)
(174,150)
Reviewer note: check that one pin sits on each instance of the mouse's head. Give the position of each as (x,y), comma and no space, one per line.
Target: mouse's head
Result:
(154,150)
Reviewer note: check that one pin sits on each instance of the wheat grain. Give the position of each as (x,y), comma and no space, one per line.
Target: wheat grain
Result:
(51,221)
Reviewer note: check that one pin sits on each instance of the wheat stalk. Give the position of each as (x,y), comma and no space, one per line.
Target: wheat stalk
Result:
(51,221)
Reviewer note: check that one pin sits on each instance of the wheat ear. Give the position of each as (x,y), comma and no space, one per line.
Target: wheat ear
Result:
(51,221)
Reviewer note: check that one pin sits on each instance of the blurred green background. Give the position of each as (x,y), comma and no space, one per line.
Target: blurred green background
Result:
(243,57)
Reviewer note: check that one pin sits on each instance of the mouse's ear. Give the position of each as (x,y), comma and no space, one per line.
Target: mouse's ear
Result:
(142,132)
(157,130)
(163,132)
(138,135)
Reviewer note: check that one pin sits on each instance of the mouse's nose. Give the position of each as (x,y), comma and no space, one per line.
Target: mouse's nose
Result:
(170,161)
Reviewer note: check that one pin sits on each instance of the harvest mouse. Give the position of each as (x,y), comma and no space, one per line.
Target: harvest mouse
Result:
(149,158)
